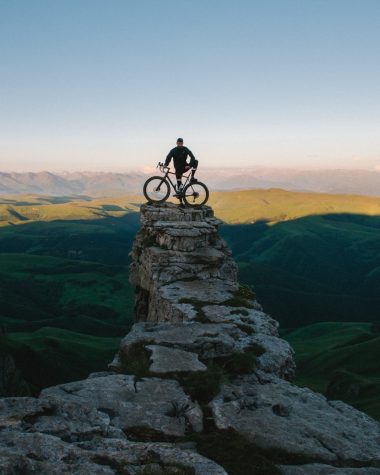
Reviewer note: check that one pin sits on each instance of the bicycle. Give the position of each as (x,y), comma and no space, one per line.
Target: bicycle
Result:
(157,188)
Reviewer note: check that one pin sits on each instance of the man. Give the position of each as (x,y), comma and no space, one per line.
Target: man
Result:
(179,155)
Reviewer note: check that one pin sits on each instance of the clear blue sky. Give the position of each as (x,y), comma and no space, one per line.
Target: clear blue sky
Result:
(110,84)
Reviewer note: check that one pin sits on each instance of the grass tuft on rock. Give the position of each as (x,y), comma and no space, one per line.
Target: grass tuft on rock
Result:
(239,311)
(198,307)
(234,453)
(242,297)
(203,386)
(137,360)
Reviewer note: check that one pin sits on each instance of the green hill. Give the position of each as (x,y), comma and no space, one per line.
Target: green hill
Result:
(38,291)
(311,257)
(340,360)
(275,205)
(51,356)
(316,268)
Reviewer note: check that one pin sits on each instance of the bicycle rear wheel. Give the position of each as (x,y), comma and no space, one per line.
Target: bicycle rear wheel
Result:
(195,194)
(156,189)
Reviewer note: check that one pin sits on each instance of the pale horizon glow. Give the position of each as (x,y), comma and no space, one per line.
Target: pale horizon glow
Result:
(109,86)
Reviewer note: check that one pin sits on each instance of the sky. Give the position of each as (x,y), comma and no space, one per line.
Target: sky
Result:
(110,84)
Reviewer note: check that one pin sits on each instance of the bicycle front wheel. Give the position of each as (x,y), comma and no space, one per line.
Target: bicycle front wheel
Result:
(156,189)
(195,194)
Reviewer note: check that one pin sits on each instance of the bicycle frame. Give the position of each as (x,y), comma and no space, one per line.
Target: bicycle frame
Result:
(191,189)
(167,177)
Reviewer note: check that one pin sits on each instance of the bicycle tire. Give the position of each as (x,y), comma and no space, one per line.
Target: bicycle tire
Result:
(193,186)
(148,194)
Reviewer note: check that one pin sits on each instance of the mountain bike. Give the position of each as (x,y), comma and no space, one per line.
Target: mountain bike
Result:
(157,188)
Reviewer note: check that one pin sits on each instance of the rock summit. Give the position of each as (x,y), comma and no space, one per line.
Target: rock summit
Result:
(201,385)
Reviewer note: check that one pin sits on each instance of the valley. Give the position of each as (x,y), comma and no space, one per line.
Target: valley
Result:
(312,259)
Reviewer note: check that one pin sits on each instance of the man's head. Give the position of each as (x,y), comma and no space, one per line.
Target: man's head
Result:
(179,142)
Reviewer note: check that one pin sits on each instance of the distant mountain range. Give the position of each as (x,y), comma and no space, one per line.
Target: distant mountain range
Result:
(111,183)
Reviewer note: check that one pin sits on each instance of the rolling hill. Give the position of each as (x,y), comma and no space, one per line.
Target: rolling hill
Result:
(316,268)
(311,257)
(340,360)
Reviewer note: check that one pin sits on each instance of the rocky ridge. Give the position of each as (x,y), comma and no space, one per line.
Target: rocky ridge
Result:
(200,385)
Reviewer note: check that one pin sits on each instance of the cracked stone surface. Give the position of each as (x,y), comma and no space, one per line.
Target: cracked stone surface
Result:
(145,404)
(169,360)
(278,416)
(206,340)
(43,454)
(260,321)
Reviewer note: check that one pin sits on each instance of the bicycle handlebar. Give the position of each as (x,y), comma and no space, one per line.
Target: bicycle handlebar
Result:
(162,167)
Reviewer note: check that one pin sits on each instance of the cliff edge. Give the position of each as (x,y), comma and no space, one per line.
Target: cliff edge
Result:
(201,384)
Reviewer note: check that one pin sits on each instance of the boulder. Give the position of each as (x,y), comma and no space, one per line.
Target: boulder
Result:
(148,408)
(295,424)
(42,454)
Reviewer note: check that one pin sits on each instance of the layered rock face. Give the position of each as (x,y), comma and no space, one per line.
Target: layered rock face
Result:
(200,385)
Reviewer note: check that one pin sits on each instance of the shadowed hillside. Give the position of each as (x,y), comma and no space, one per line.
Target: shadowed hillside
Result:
(63,265)
(317,268)
(340,360)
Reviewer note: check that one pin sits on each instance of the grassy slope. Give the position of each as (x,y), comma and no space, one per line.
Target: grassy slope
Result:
(232,207)
(70,274)
(46,291)
(52,355)
(25,208)
(303,263)
(276,205)
(316,268)
(341,360)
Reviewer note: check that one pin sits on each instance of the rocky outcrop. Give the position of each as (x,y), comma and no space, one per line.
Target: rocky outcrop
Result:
(200,385)
(90,427)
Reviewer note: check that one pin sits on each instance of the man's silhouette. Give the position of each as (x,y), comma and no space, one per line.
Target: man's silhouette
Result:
(179,155)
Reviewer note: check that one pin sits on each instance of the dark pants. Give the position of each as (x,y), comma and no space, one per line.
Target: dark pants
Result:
(180,171)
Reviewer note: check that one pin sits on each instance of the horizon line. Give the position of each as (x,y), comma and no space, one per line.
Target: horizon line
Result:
(147,170)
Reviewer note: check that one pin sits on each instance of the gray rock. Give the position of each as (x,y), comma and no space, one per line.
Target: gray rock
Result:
(277,358)
(152,406)
(210,291)
(178,255)
(206,340)
(63,418)
(258,320)
(297,422)
(42,454)
(169,360)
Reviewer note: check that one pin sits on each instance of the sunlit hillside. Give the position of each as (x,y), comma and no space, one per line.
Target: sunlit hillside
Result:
(233,207)
(311,258)
(276,205)
(23,208)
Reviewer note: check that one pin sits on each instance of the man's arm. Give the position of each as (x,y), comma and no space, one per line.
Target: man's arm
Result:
(192,158)
(168,158)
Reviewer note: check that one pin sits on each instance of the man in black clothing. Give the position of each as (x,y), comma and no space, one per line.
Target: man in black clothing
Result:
(179,155)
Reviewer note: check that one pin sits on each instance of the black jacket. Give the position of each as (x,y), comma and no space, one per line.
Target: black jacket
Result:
(179,156)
